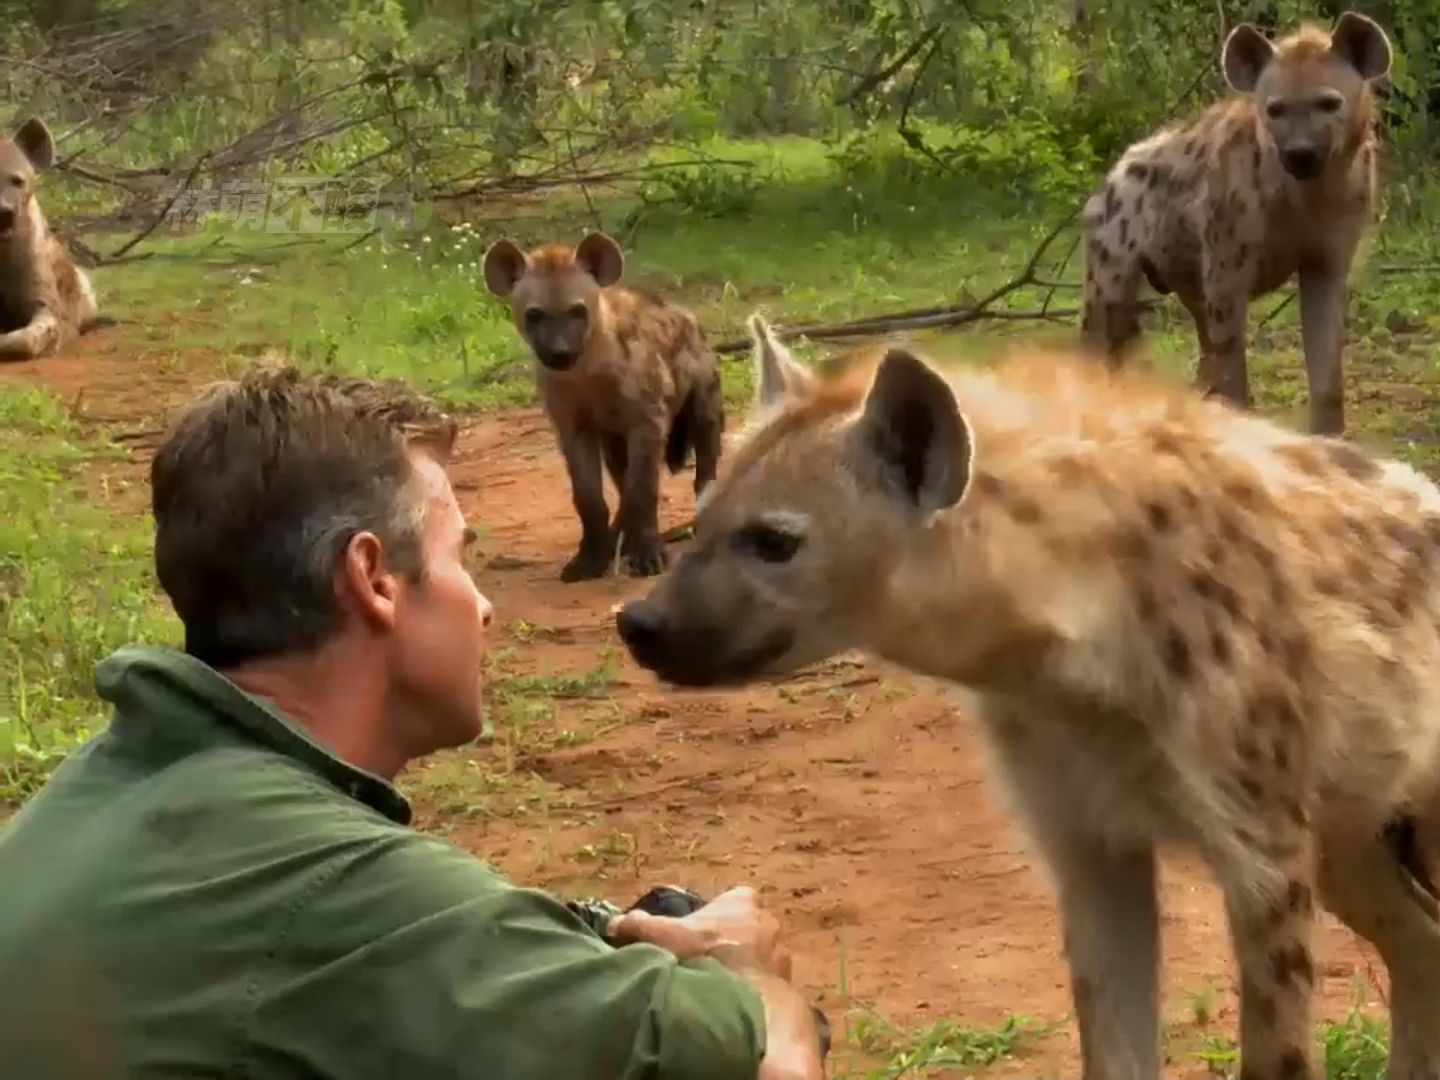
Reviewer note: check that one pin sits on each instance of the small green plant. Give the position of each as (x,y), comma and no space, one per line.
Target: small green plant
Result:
(945,1044)
(1355,1048)
(1202,1005)
(1220,1055)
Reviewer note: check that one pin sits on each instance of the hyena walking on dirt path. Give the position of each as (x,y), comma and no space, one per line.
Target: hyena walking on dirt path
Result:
(45,299)
(625,376)
(1181,623)
(1279,180)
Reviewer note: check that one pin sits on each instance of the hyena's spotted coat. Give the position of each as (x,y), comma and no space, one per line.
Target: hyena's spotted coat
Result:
(1181,623)
(626,377)
(1277,181)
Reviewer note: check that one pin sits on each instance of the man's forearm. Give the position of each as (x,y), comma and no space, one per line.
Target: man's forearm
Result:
(792,1039)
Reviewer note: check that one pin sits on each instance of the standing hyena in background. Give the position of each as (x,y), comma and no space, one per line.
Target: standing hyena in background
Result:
(1181,623)
(625,376)
(1275,182)
(45,299)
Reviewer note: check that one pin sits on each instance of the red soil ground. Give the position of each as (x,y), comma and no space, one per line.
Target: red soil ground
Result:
(855,798)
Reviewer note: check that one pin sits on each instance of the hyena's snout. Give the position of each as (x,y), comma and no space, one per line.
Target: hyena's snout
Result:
(641,626)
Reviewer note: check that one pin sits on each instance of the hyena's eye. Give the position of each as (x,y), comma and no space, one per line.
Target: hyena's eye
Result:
(533,316)
(1330,104)
(578,311)
(1275,110)
(768,544)
(17,180)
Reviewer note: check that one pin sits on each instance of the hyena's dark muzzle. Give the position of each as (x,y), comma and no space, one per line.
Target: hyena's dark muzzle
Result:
(685,654)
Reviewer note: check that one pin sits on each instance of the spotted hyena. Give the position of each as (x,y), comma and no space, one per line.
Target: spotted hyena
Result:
(1277,181)
(1181,624)
(625,376)
(45,299)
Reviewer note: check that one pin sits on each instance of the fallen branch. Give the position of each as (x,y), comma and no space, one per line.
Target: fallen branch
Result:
(180,190)
(934,317)
(974,311)
(1418,268)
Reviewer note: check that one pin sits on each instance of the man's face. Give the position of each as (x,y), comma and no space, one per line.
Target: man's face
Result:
(441,624)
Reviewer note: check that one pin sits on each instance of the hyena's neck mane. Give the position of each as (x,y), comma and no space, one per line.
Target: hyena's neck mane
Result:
(1078,481)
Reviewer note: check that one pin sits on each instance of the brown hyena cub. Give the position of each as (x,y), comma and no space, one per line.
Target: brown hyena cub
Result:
(45,299)
(1181,624)
(1276,181)
(625,376)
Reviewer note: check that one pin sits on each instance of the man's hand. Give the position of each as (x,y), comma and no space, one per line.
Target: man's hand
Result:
(732,928)
(736,931)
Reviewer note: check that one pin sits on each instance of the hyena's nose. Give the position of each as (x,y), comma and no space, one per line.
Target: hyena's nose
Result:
(640,624)
(7,218)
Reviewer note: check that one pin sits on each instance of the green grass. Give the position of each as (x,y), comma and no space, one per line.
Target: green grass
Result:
(75,583)
(946,1044)
(803,233)
(1355,1048)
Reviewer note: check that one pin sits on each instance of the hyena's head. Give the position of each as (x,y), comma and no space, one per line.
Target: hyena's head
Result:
(29,151)
(555,292)
(795,544)
(1314,90)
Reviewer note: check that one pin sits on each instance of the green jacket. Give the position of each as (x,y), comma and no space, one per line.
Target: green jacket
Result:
(204,891)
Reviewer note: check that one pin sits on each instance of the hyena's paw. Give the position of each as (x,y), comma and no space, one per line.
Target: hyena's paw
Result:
(586,565)
(645,559)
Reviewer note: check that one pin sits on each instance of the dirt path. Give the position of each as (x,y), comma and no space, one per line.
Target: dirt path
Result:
(856,797)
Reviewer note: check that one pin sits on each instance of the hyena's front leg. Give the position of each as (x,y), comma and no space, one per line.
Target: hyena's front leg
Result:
(1322,320)
(709,427)
(1108,908)
(37,338)
(581,449)
(639,513)
(1112,934)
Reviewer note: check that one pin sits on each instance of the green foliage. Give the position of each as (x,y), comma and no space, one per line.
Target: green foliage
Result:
(1357,1048)
(946,1044)
(1028,97)
(74,586)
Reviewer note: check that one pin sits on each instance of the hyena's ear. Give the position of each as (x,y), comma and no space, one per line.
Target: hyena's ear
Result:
(777,374)
(1246,53)
(505,265)
(33,138)
(1359,41)
(912,429)
(601,258)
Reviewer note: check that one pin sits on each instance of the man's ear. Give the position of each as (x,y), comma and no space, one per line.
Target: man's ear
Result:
(601,258)
(777,374)
(1246,53)
(33,137)
(1361,43)
(367,582)
(505,265)
(913,431)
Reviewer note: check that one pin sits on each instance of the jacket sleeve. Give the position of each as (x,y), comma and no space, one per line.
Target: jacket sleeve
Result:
(411,959)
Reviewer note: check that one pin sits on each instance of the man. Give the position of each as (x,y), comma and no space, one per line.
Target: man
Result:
(224,884)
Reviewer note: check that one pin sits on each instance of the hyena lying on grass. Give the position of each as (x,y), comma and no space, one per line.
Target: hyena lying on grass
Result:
(625,375)
(45,299)
(1182,623)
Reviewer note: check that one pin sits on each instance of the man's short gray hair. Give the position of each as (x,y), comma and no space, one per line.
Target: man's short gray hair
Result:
(260,485)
